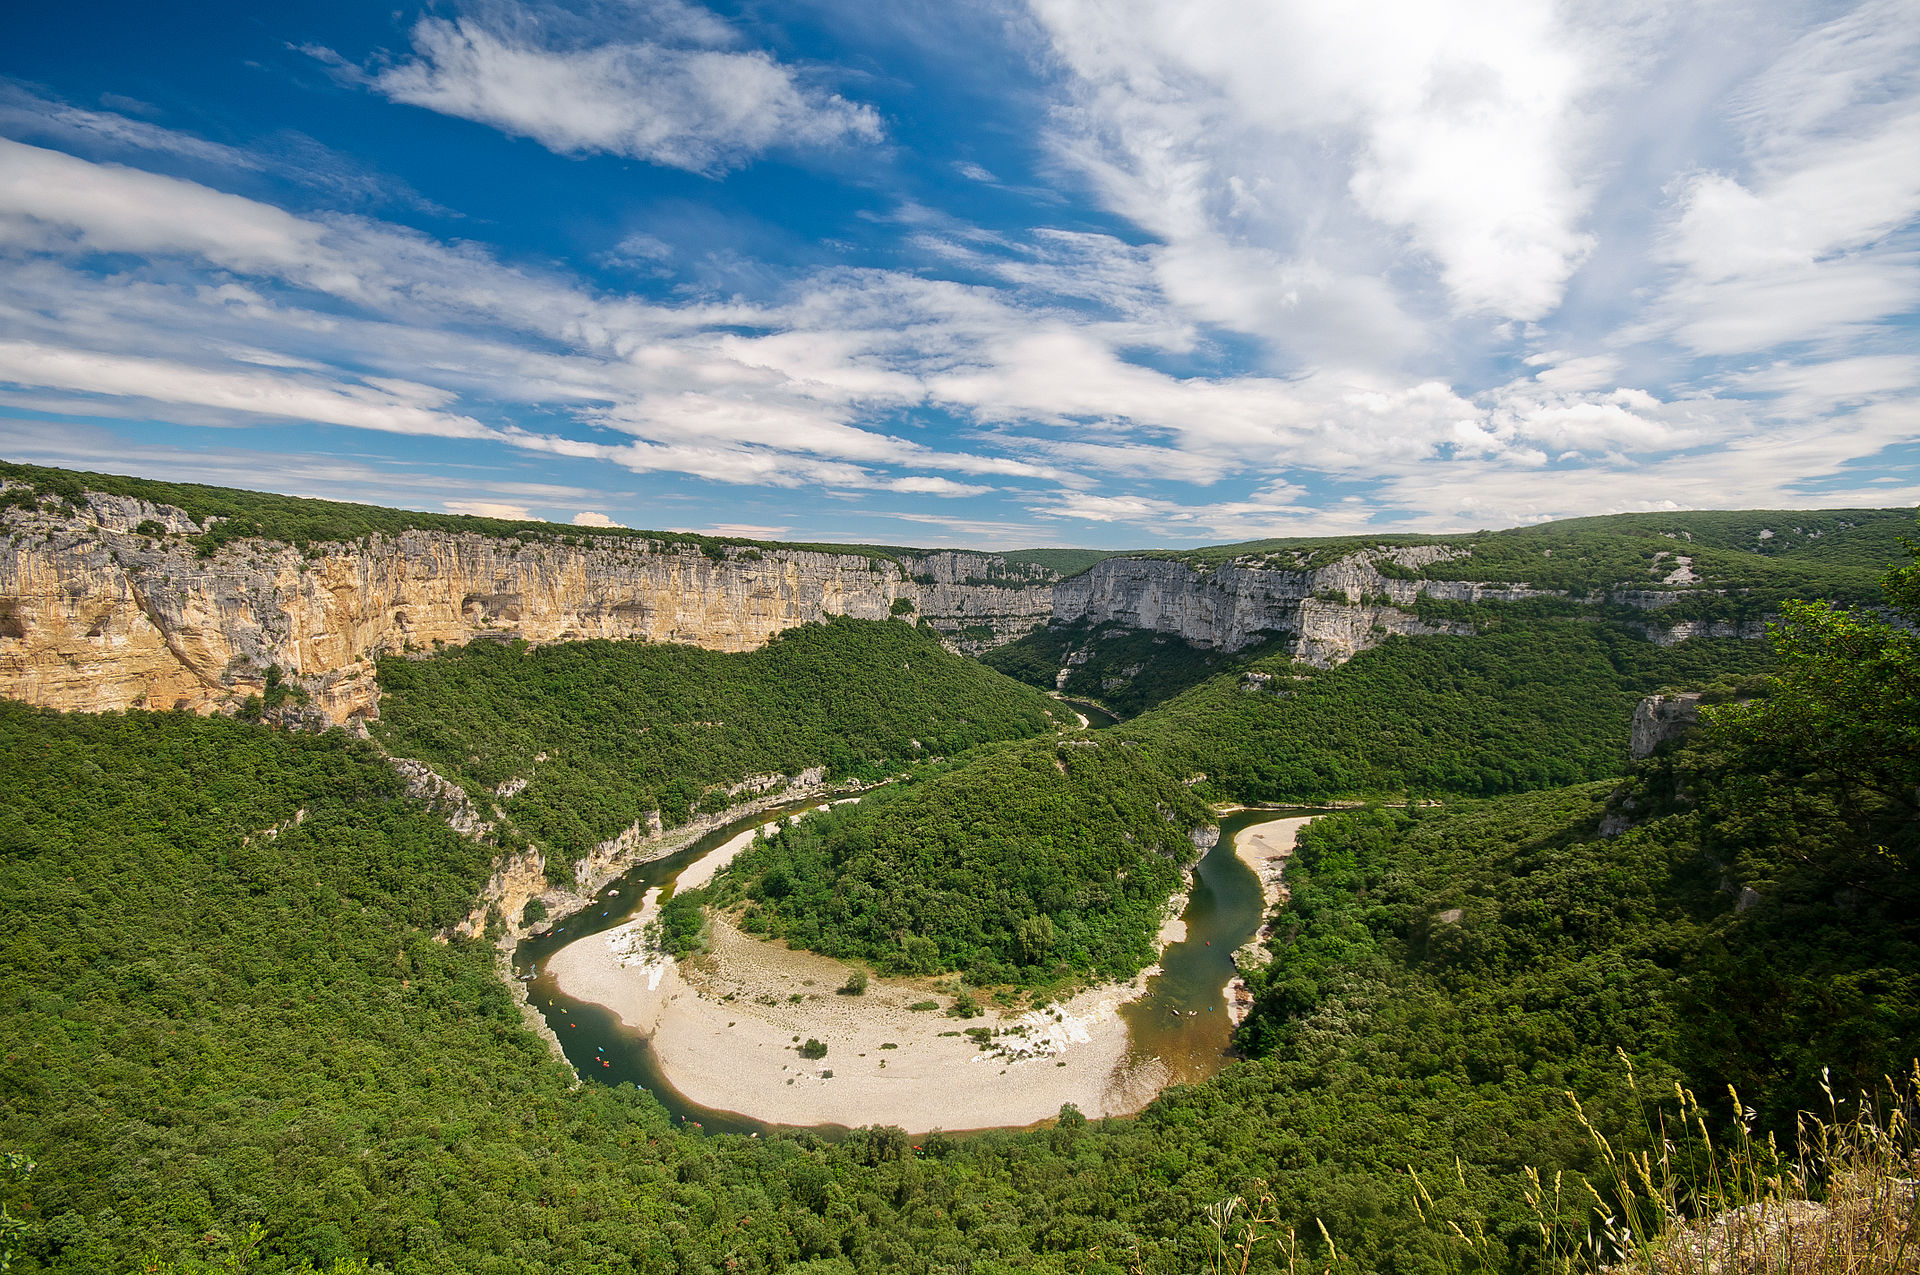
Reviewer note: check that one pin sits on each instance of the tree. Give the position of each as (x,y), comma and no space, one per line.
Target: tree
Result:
(1844,708)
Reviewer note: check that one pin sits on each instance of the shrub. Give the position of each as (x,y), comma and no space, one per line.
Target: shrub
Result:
(813,1049)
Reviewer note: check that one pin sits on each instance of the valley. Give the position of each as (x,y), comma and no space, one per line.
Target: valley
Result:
(453,896)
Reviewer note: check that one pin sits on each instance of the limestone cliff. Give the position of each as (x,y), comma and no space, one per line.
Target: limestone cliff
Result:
(108,603)
(109,606)
(1325,615)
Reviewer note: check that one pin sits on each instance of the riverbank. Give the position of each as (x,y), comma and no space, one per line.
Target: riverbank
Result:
(725,1029)
(1264,848)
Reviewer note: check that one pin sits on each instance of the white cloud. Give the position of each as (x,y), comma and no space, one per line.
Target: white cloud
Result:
(489,509)
(1290,157)
(1807,239)
(738,531)
(935,486)
(278,397)
(53,201)
(1053,359)
(22,111)
(588,518)
(701,109)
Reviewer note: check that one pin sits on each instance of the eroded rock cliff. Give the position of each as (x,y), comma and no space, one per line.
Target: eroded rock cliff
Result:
(1325,615)
(108,605)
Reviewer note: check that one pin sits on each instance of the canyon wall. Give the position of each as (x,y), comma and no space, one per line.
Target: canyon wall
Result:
(109,604)
(96,614)
(1325,615)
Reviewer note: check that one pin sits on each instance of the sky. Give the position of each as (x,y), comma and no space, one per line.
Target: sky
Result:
(990,273)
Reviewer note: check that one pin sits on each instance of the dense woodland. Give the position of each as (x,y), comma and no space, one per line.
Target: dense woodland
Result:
(627,728)
(232,1040)
(1031,863)
(1127,670)
(211,1030)
(1528,705)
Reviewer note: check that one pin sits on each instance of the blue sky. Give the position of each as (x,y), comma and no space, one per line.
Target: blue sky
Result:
(996,274)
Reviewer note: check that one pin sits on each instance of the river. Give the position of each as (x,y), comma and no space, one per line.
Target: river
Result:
(1182,1019)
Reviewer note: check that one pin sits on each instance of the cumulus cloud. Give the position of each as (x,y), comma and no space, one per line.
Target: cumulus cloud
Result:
(1290,157)
(701,109)
(588,518)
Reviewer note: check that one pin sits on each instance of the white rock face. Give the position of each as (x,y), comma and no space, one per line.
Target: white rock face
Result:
(94,615)
(1325,616)
(1659,718)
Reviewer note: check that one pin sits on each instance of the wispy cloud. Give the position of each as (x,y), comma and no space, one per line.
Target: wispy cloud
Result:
(702,109)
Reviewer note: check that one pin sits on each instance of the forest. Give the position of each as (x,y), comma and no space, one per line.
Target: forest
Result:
(234,1038)
(606,732)
(1030,864)
(1527,705)
(1127,670)
(233,1050)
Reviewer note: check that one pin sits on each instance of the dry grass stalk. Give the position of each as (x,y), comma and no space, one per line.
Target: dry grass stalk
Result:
(1843,1203)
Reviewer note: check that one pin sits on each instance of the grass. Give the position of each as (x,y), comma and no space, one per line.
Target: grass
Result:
(1844,1201)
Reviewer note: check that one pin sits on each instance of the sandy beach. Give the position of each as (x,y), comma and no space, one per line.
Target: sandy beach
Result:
(1265,847)
(726,1028)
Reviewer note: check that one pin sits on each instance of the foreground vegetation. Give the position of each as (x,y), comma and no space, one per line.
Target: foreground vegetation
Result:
(1030,863)
(605,733)
(208,1033)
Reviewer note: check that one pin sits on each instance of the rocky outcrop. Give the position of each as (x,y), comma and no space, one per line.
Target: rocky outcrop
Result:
(442,796)
(521,877)
(1659,718)
(111,607)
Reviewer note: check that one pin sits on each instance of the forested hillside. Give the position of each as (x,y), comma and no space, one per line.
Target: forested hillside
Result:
(1128,670)
(605,732)
(211,1030)
(1529,705)
(1028,863)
